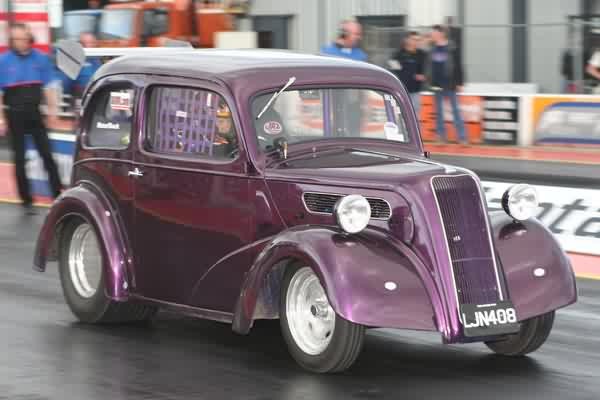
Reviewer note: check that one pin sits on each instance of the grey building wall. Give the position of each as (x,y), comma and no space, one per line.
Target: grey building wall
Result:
(337,10)
(304,25)
(314,22)
(487,51)
(546,43)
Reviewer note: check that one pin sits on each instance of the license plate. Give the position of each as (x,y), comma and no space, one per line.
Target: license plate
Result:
(489,319)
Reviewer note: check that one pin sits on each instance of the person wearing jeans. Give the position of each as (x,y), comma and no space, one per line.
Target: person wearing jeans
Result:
(408,65)
(446,76)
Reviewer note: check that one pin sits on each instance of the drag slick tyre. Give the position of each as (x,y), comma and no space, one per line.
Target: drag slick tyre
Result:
(317,338)
(82,275)
(532,335)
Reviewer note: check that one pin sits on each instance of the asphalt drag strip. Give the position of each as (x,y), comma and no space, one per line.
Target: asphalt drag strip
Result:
(47,355)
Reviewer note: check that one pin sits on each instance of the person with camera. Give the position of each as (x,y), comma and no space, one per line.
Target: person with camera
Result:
(26,77)
(347,42)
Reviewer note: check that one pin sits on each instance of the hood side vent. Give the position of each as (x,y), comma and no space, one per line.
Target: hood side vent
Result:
(322,203)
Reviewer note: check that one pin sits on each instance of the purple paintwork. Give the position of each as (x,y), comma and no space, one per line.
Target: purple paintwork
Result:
(211,236)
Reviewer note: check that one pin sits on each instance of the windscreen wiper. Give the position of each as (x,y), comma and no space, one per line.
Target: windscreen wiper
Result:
(275,96)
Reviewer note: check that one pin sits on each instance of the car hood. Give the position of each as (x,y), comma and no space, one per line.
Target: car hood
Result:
(359,169)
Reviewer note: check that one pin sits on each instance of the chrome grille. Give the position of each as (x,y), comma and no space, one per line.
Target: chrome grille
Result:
(464,219)
(322,203)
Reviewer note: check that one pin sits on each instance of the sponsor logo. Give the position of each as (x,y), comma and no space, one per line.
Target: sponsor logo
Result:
(120,101)
(108,125)
(273,128)
(572,214)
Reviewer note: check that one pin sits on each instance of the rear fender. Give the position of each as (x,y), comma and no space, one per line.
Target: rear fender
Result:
(524,247)
(367,280)
(87,202)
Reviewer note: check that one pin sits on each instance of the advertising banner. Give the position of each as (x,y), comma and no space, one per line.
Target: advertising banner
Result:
(32,12)
(3,25)
(565,120)
(488,119)
(572,214)
(63,149)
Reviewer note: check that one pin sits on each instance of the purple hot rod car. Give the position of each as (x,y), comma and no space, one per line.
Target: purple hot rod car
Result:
(245,185)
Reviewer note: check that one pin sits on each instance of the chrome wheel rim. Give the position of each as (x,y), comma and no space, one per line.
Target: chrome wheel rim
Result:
(310,318)
(85,261)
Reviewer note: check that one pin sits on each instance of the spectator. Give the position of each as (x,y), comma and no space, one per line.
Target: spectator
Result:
(25,74)
(446,76)
(593,69)
(408,64)
(347,43)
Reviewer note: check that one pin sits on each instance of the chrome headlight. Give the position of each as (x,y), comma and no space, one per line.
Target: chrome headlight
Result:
(520,201)
(353,213)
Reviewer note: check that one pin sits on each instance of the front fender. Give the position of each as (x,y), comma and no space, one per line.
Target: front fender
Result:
(87,202)
(522,248)
(354,270)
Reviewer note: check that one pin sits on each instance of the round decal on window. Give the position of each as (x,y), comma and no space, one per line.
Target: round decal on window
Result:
(273,128)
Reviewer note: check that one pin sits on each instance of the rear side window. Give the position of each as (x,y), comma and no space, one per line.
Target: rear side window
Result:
(193,123)
(112,118)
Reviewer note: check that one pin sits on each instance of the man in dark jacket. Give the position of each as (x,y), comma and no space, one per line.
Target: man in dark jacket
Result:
(408,64)
(446,76)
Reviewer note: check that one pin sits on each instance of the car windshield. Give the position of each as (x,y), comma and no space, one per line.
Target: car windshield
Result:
(77,23)
(116,24)
(326,113)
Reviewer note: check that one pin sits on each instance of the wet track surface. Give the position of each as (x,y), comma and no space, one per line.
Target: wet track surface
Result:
(45,354)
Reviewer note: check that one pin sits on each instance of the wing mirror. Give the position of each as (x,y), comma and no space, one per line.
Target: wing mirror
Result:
(70,57)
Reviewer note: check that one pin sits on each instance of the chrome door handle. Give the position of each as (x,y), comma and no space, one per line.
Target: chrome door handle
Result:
(136,172)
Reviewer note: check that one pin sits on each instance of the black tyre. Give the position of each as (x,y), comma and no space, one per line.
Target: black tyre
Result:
(532,335)
(317,338)
(82,275)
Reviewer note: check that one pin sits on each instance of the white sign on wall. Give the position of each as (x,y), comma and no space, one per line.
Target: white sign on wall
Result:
(573,215)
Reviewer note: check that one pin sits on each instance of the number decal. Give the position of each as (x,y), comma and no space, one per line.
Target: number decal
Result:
(501,316)
(511,315)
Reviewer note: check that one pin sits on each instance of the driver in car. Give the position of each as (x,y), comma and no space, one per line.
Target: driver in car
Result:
(225,139)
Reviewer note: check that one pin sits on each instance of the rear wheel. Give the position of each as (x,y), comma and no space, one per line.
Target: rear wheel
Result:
(82,275)
(531,337)
(317,338)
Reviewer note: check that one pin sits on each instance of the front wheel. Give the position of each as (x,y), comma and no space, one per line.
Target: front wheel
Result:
(532,335)
(317,338)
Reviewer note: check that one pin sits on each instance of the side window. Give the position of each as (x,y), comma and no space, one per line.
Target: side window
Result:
(190,122)
(112,118)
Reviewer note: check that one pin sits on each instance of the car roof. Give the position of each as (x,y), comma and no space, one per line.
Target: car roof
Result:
(248,67)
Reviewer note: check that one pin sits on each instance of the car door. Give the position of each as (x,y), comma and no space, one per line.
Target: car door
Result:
(106,155)
(191,191)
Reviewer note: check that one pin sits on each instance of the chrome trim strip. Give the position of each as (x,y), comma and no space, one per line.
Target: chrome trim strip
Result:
(214,315)
(492,252)
(342,195)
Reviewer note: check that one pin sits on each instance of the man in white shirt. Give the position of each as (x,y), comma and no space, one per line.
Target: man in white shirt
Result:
(593,68)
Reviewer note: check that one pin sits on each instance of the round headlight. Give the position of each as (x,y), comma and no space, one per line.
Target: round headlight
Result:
(353,213)
(520,201)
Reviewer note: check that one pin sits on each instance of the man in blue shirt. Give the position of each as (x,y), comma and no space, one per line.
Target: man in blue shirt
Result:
(26,76)
(446,75)
(346,44)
